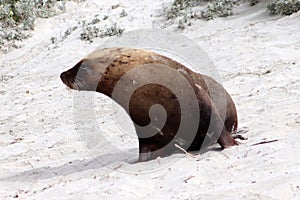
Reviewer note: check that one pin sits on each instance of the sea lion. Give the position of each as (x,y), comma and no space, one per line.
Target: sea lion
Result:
(188,119)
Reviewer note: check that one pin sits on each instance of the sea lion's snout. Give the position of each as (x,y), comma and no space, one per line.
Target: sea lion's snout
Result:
(63,77)
(67,79)
(79,77)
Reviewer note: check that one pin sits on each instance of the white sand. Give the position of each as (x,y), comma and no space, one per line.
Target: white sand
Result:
(43,156)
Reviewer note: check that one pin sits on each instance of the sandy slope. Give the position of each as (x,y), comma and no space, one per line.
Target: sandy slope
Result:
(43,156)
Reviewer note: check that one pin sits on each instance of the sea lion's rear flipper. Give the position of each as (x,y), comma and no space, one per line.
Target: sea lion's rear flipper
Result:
(238,136)
(226,140)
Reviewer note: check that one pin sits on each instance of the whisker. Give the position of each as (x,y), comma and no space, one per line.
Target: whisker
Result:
(80,83)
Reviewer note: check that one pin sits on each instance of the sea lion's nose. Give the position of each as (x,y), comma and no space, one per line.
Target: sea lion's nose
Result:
(63,76)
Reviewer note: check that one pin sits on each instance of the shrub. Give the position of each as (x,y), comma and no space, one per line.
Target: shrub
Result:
(91,30)
(205,9)
(123,13)
(284,7)
(218,8)
(176,8)
(16,16)
(253,2)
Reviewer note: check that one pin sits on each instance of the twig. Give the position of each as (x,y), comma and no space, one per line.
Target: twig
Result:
(115,168)
(30,164)
(189,154)
(264,142)
(188,178)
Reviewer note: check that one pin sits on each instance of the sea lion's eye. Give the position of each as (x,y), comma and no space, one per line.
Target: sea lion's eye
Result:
(83,67)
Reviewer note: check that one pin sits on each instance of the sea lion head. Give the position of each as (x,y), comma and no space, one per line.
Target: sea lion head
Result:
(86,74)
(82,76)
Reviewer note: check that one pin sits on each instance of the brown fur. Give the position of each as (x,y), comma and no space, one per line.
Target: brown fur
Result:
(101,70)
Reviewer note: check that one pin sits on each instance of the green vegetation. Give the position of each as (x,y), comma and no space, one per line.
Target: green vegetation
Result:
(178,8)
(208,8)
(186,10)
(284,7)
(91,30)
(253,2)
(218,8)
(17,16)
(24,12)
(183,11)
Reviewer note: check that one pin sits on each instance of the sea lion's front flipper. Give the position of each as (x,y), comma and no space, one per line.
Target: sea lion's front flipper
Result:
(149,152)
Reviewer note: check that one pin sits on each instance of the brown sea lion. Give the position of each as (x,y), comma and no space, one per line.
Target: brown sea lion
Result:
(139,79)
